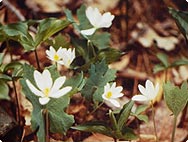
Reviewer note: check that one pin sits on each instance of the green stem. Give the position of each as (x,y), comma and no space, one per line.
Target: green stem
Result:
(45,114)
(90,45)
(17,102)
(174,129)
(37,59)
(153,117)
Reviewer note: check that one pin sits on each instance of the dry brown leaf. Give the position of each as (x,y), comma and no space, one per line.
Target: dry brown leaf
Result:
(123,63)
(96,137)
(49,6)
(180,74)
(102,4)
(149,35)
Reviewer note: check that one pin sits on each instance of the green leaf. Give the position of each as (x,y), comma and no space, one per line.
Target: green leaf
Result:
(99,76)
(158,68)
(5,77)
(77,82)
(70,18)
(59,41)
(113,121)
(176,98)
(128,134)
(12,66)
(163,58)
(180,62)
(181,19)
(109,54)
(101,41)
(18,32)
(84,22)
(48,27)
(143,118)
(4,90)
(96,127)
(1,58)
(141,109)
(124,114)
(60,121)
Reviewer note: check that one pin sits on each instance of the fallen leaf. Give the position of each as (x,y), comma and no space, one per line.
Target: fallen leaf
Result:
(147,37)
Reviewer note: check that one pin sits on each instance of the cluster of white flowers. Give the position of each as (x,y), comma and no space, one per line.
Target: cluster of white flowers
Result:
(97,20)
(62,56)
(112,93)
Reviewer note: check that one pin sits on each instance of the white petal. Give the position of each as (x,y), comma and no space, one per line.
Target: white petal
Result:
(139,98)
(60,62)
(115,102)
(47,79)
(44,100)
(88,31)
(61,92)
(116,95)
(106,21)
(58,83)
(33,89)
(38,80)
(113,85)
(60,52)
(93,15)
(149,86)
(142,90)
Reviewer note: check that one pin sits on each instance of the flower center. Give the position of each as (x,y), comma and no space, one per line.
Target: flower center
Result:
(109,95)
(46,92)
(56,57)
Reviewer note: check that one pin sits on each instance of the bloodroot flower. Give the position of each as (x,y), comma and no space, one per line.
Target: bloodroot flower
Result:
(97,20)
(111,93)
(46,88)
(148,93)
(68,56)
(54,55)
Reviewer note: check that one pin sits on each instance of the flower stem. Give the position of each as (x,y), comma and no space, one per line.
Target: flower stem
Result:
(37,59)
(17,102)
(46,121)
(174,129)
(153,117)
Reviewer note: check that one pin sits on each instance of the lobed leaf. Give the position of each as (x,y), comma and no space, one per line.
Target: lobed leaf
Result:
(176,98)
(99,76)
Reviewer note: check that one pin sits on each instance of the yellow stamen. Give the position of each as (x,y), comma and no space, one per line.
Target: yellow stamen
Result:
(109,95)
(46,92)
(56,57)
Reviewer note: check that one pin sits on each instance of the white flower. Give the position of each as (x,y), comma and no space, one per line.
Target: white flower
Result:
(46,88)
(68,56)
(112,93)
(97,20)
(54,55)
(148,93)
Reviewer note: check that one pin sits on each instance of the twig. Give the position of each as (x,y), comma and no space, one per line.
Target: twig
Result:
(17,103)
(17,13)
(130,73)
(14,10)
